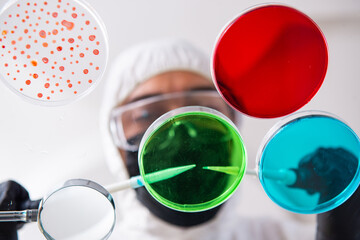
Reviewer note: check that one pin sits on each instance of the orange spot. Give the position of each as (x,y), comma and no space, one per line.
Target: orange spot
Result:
(20,38)
(97,68)
(55,32)
(45,44)
(92,37)
(6,64)
(68,81)
(87,22)
(75,92)
(74,8)
(79,82)
(74,15)
(4,32)
(68,25)
(59,48)
(45,3)
(40,95)
(96,52)
(61,90)
(47,85)
(14,57)
(52,52)
(22,52)
(71,40)
(21,89)
(13,42)
(34,63)
(28,82)
(54,14)
(35,76)
(82,55)
(70,85)
(42,34)
(45,60)
(28,57)
(52,91)
(48,98)
(90,81)
(61,68)
(54,41)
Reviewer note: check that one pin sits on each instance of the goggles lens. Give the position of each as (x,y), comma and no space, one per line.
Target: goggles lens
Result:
(130,122)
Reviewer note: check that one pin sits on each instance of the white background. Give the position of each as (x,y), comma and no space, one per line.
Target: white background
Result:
(42,146)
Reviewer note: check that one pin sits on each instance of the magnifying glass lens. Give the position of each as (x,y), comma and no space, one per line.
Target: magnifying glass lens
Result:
(199,155)
(77,212)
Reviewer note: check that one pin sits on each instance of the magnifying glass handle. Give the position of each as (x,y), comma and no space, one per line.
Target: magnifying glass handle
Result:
(29,215)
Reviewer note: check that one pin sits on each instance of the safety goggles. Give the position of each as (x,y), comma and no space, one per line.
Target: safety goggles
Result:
(129,122)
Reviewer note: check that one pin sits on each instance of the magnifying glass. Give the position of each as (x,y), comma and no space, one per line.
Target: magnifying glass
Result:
(191,159)
(309,162)
(52,52)
(269,61)
(80,209)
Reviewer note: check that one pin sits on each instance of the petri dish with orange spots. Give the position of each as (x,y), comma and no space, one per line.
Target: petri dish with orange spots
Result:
(51,52)
(269,61)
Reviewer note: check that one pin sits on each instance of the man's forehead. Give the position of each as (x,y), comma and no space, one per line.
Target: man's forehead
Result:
(178,81)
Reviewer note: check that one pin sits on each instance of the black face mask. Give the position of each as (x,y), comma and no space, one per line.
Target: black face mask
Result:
(182,219)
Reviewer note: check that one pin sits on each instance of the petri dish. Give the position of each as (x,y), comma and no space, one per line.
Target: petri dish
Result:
(80,209)
(51,52)
(206,145)
(309,162)
(269,61)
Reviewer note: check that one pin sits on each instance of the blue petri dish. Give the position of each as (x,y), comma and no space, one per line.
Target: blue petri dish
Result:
(309,162)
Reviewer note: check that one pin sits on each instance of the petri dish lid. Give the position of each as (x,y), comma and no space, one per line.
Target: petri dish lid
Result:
(52,52)
(309,162)
(203,153)
(269,61)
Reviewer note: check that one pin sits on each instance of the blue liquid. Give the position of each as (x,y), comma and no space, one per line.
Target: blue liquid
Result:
(330,179)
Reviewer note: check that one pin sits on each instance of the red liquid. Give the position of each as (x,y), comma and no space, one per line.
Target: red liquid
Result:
(270,61)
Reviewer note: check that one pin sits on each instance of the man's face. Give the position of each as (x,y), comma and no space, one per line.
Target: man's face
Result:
(136,121)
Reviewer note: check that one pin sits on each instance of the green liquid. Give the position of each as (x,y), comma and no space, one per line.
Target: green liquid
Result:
(196,138)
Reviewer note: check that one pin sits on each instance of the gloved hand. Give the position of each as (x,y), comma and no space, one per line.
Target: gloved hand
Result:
(327,171)
(342,222)
(13,197)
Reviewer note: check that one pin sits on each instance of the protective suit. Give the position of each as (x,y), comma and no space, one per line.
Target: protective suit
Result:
(135,221)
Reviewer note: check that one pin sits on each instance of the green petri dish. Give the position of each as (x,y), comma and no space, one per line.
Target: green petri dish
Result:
(192,159)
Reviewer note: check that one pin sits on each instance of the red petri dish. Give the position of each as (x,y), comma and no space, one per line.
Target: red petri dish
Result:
(269,61)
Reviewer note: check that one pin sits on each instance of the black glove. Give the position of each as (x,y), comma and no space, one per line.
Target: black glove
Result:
(327,171)
(342,222)
(13,197)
